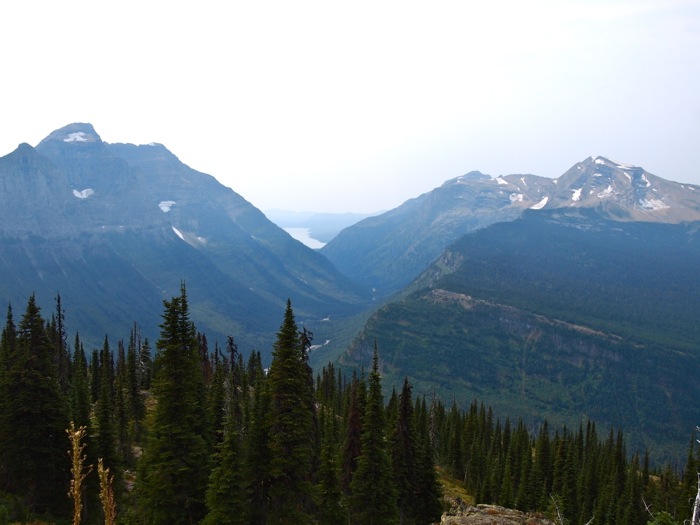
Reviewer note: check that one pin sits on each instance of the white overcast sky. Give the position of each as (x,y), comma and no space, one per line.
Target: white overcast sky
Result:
(359,106)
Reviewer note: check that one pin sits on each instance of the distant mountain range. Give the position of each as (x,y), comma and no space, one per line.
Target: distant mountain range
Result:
(115,228)
(566,299)
(385,253)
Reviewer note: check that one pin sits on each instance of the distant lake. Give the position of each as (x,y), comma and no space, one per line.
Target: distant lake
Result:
(304,235)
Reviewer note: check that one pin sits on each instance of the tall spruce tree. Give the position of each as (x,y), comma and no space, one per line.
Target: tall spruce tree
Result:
(373,500)
(33,417)
(175,467)
(106,435)
(403,456)
(329,495)
(226,497)
(292,430)
(257,444)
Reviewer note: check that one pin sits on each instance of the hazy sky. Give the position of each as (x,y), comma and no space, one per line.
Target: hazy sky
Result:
(358,106)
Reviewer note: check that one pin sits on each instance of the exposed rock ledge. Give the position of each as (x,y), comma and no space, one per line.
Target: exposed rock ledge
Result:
(491,515)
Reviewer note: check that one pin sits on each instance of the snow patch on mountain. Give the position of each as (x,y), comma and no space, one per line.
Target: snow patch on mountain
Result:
(501,181)
(540,204)
(516,197)
(577,195)
(607,192)
(83,194)
(79,136)
(653,204)
(178,233)
(166,205)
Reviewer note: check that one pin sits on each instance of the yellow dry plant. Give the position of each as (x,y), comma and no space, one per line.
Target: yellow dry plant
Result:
(78,469)
(109,506)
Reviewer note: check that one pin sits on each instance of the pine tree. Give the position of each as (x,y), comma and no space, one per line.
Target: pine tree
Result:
(373,499)
(80,405)
(258,457)
(291,426)
(33,418)
(428,496)
(404,455)
(352,447)
(60,344)
(174,468)
(136,408)
(330,510)
(226,497)
(105,434)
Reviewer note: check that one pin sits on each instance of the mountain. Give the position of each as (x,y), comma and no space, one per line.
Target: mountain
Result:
(115,228)
(562,314)
(386,252)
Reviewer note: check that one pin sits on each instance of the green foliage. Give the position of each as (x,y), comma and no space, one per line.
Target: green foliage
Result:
(662,518)
(373,499)
(175,464)
(33,416)
(564,318)
(292,425)
(293,451)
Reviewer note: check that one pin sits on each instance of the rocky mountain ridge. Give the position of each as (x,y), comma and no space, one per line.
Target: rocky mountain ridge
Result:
(388,251)
(121,226)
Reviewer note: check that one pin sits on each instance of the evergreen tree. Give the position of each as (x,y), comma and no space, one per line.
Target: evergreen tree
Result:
(330,510)
(174,469)
(226,497)
(373,499)
(33,418)
(258,468)
(60,344)
(404,455)
(136,408)
(105,433)
(80,405)
(428,495)
(352,446)
(291,426)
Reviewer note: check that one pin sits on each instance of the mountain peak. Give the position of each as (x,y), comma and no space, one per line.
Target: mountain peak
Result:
(76,133)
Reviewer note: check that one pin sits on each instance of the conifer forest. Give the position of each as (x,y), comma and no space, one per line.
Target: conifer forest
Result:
(179,431)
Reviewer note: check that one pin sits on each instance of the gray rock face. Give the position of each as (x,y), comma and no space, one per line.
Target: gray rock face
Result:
(491,515)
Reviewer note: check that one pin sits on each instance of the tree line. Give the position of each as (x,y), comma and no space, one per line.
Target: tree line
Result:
(193,434)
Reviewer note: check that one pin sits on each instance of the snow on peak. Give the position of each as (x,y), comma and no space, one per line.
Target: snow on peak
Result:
(577,194)
(540,204)
(607,192)
(501,181)
(79,136)
(599,160)
(653,204)
(166,205)
(83,194)
(178,233)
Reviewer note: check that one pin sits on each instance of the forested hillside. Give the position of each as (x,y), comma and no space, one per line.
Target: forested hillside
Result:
(558,315)
(194,434)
